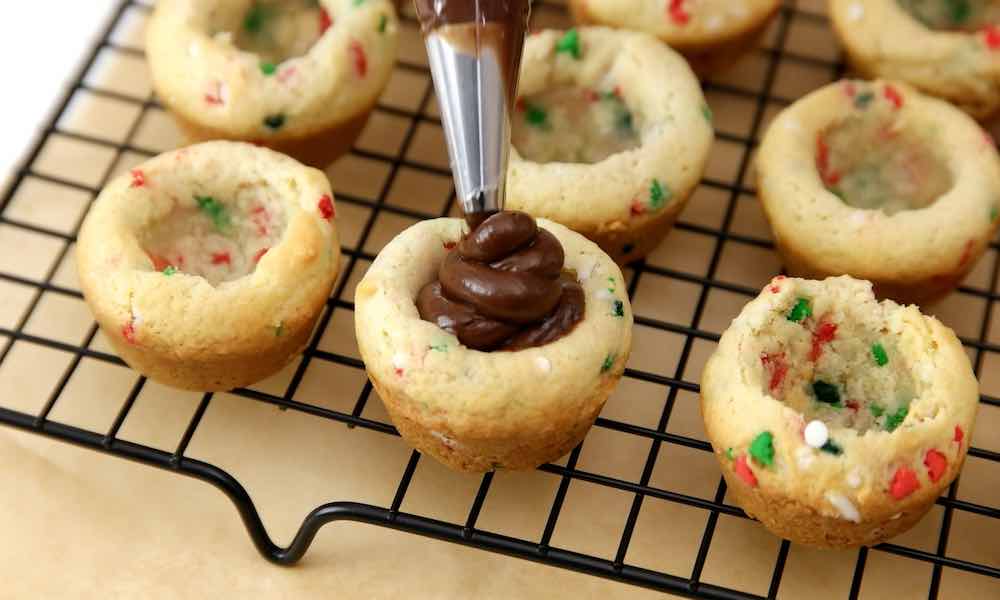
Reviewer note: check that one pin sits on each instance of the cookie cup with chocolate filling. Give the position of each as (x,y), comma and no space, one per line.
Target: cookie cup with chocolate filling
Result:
(878,181)
(610,137)
(947,49)
(479,411)
(837,420)
(207,267)
(711,34)
(299,76)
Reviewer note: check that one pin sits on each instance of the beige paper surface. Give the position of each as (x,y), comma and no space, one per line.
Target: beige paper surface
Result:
(77,524)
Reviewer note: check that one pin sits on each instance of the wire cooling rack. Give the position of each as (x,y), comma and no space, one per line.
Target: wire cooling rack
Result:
(752,87)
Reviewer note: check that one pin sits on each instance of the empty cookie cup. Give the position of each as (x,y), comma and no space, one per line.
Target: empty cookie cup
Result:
(207,267)
(298,76)
(711,34)
(837,420)
(474,410)
(946,49)
(878,181)
(611,135)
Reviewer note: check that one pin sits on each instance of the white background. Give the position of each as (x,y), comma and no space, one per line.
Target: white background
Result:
(42,43)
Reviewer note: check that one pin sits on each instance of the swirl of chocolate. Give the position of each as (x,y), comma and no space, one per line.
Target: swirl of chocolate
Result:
(503,287)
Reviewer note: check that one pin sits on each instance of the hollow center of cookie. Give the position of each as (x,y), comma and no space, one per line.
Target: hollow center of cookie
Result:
(872,161)
(220,239)
(277,30)
(953,15)
(573,125)
(834,365)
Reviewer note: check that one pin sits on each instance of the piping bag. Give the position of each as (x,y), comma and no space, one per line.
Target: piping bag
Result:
(475,48)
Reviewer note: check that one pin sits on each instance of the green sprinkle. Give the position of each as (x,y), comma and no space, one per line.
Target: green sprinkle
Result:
(994,213)
(619,309)
(729,454)
(762,448)
(609,362)
(570,44)
(279,329)
(254,20)
(274,121)
(358,2)
(877,410)
(214,209)
(826,393)
(170,270)
(878,352)
(706,111)
(896,419)
(658,195)
(442,347)
(624,120)
(958,10)
(831,447)
(268,68)
(536,116)
(611,284)
(800,311)
(383,22)
(611,95)
(863,100)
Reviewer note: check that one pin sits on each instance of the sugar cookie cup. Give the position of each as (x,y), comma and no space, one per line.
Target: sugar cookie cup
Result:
(711,34)
(300,77)
(837,420)
(207,267)
(610,137)
(952,54)
(878,181)
(479,411)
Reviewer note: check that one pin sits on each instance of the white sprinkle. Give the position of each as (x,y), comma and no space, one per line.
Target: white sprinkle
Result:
(399,361)
(855,12)
(223,92)
(816,434)
(859,218)
(194,50)
(844,506)
(604,294)
(805,457)
(793,125)
(136,317)
(588,264)
(713,23)
(543,364)
(854,478)
(895,516)
(447,441)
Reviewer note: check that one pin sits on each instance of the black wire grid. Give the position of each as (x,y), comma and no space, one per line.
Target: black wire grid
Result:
(467,533)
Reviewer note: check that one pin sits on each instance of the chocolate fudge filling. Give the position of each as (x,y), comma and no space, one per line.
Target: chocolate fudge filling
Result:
(503,287)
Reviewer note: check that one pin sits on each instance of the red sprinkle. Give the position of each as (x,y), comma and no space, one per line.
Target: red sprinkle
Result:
(850,89)
(521,105)
(450,245)
(360,58)
(325,21)
(893,95)
(399,372)
(826,333)
(287,74)
(936,464)
(138,178)
(823,162)
(326,207)
(959,435)
(851,404)
(159,263)
(777,366)
(744,472)
(221,258)
(991,34)
(677,12)
(261,218)
(128,332)
(637,208)
(591,95)
(260,254)
(904,482)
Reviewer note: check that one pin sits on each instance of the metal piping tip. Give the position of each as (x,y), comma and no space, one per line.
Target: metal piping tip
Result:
(475,66)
